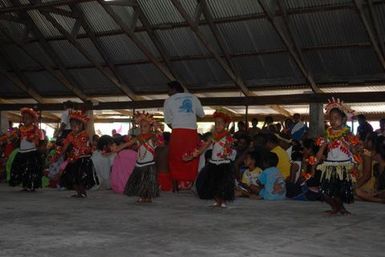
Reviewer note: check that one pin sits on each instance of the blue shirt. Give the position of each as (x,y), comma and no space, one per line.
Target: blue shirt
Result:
(274,184)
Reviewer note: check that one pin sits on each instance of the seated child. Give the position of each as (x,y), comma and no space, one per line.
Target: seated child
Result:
(102,159)
(271,180)
(248,186)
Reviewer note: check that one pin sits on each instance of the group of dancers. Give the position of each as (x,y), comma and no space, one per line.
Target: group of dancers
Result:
(336,159)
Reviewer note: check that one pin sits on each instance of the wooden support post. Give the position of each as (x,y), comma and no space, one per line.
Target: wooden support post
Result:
(91,124)
(4,124)
(317,121)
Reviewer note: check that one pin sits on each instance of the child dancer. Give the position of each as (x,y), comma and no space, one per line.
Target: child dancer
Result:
(79,173)
(143,180)
(220,171)
(336,179)
(27,166)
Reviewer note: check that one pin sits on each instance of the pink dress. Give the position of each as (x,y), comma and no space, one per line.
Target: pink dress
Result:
(122,167)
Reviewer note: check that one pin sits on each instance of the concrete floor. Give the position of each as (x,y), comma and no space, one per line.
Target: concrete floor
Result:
(49,223)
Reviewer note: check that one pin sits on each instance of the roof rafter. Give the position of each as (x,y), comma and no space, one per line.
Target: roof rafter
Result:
(194,27)
(64,77)
(88,56)
(129,32)
(103,53)
(372,37)
(40,5)
(376,25)
(226,52)
(285,35)
(20,80)
(155,39)
(236,18)
(209,56)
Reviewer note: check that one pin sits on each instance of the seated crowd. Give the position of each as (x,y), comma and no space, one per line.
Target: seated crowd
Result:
(274,162)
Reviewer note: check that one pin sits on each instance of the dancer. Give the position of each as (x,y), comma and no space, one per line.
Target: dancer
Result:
(27,165)
(220,170)
(336,178)
(143,180)
(79,173)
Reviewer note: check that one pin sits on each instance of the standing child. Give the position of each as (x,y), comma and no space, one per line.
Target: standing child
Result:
(79,173)
(336,178)
(220,170)
(143,180)
(27,166)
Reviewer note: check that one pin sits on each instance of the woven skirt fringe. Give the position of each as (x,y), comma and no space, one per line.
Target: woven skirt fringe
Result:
(143,182)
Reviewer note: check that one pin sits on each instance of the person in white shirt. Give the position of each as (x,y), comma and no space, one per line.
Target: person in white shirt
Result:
(65,127)
(180,113)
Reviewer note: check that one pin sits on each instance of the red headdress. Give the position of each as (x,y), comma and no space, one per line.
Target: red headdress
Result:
(339,104)
(222,113)
(31,112)
(80,116)
(143,116)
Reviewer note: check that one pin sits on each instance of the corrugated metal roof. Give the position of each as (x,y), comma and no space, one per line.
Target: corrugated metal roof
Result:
(38,52)
(98,18)
(120,48)
(273,69)
(250,35)
(15,54)
(344,65)
(202,73)
(93,82)
(225,8)
(314,29)
(68,53)
(138,76)
(181,41)
(295,4)
(8,89)
(46,84)
(160,11)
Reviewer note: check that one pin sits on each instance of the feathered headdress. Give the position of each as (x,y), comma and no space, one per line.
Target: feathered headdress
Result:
(143,116)
(30,111)
(340,105)
(224,114)
(80,116)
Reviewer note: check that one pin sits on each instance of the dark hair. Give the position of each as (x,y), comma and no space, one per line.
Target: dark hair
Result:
(254,120)
(269,159)
(310,144)
(206,136)
(176,86)
(269,119)
(361,117)
(254,155)
(78,122)
(382,120)
(104,141)
(296,155)
(68,104)
(271,138)
(341,113)
(166,137)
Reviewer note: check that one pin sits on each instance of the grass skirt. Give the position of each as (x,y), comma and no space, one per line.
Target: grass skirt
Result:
(27,170)
(337,181)
(221,181)
(143,182)
(79,172)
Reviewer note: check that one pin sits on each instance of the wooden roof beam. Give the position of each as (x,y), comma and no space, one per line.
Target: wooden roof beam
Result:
(361,97)
(369,30)
(103,53)
(156,40)
(65,77)
(129,32)
(194,27)
(88,56)
(40,5)
(20,79)
(290,44)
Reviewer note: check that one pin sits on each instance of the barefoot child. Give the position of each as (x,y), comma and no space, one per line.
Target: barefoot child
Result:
(27,166)
(336,179)
(221,179)
(143,180)
(79,173)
